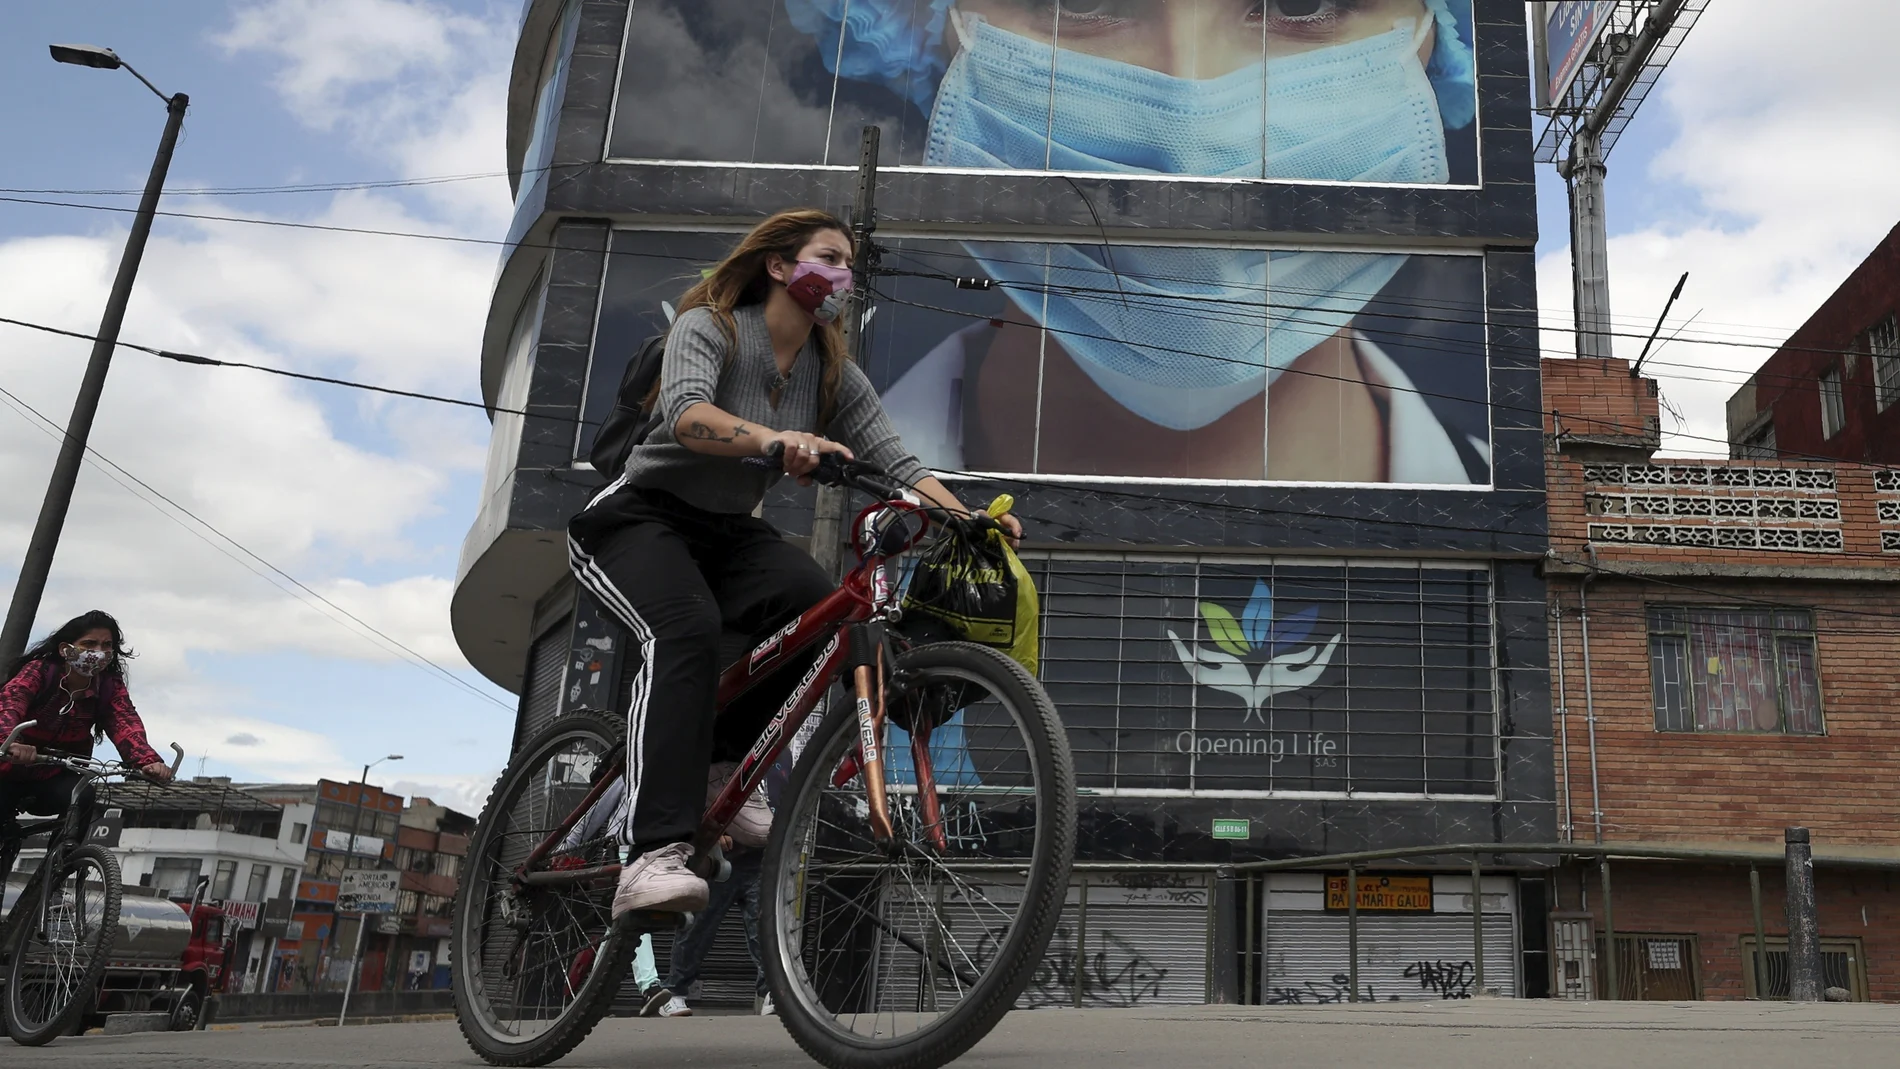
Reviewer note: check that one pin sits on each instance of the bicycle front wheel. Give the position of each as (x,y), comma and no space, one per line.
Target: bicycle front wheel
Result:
(537,966)
(57,949)
(903,955)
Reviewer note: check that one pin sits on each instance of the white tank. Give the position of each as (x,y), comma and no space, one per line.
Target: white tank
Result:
(153,932)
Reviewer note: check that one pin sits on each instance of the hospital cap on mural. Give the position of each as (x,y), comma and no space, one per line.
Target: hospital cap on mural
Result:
(898,44)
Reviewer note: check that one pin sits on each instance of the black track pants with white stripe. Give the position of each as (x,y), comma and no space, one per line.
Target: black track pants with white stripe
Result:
(679,579)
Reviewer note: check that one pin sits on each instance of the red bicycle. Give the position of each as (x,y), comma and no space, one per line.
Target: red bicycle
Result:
(918,859)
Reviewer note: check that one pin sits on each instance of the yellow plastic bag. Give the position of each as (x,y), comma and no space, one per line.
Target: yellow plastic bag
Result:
(980,591)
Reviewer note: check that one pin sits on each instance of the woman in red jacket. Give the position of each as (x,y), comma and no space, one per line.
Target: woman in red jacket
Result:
(72,684)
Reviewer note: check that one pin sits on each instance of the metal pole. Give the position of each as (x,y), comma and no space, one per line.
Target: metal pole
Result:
(1804,922)
(828,510)
(1589,245)
(1614,989)
(1251,957)
(1569,829)
(1352,933)
(1226,974)
(1590,707)
(1761,940)
(1081,942)
(362,922)
(72,449)
(1477,924)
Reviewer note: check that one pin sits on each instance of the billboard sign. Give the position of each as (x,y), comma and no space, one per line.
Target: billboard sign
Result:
(1571,29)
(369,891)
(1331,94)
(1159,362)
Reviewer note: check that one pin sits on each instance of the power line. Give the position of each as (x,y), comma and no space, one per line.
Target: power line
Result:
(206,361)
(117,474)
(301,187)
(460,239)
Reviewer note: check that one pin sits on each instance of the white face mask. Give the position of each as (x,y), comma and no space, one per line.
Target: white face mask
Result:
(86,662)
(1363,111)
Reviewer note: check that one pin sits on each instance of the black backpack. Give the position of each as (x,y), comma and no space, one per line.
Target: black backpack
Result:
(631,421)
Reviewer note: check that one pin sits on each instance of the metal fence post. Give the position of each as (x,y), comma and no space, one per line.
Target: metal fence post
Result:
(1613,988)
(1081,964)
(1761,940)
(1477,924)
(1250,948)
(1804,922)
(1226,977)
(1352,933)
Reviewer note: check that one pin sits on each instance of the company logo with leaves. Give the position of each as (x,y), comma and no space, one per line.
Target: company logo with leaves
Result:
(1293,658)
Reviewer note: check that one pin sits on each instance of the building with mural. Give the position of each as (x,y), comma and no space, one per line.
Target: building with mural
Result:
(1238,304)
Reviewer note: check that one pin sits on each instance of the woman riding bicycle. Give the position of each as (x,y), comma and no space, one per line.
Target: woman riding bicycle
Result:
(73,685)
(755,366)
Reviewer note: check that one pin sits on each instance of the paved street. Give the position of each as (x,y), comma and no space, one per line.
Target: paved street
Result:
(1472,1035)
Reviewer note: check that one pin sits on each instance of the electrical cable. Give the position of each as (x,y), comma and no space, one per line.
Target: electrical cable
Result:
(113,471)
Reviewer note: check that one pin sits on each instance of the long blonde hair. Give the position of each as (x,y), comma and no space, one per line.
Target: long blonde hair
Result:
(741,279)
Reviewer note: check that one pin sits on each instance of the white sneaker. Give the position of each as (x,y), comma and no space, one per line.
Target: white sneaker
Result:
(766,1009)
(754,823)
(676,1007)
(659,880)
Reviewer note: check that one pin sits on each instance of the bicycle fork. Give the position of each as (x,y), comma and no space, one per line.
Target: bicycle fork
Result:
(866,663)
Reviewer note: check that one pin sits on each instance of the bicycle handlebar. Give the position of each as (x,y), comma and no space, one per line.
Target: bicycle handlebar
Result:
(835,469)
(88,765)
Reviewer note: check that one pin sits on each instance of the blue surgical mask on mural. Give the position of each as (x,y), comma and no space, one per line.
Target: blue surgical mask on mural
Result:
(1362,112)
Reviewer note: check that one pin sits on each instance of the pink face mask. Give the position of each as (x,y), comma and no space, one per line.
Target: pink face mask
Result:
(819,289)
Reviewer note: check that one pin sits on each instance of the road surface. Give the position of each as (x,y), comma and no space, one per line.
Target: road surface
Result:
(1474,1034)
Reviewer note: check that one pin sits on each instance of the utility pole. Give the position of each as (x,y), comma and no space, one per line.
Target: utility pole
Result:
(1588,115)
(828,513)
(72,449)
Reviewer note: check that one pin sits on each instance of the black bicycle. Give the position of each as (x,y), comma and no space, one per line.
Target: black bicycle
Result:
(56,939)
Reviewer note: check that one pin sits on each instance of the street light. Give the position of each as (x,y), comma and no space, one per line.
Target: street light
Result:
(59,491)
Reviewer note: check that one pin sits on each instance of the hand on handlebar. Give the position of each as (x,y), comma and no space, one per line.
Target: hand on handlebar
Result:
(1012,527)
(157,772)
(798,452)
(20,753)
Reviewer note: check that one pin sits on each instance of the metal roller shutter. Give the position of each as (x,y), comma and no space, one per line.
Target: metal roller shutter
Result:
(1401,958)
(726,978)
(1143,947)
(541,687)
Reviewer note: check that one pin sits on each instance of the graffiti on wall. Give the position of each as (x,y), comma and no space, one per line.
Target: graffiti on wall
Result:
(1116,974)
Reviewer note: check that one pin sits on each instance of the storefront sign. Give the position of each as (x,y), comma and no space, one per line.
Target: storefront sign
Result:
(1385,894)
(369,891)
(1232,828)
(244,914)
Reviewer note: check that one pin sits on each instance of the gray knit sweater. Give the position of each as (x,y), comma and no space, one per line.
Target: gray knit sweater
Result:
(696,370)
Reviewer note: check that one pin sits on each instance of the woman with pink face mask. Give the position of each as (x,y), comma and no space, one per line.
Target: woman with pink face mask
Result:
(755,366)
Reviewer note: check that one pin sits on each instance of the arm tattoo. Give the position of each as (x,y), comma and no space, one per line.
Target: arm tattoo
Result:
(704,433)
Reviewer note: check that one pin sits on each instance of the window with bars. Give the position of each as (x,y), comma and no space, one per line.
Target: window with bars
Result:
(1833,413)
(1216,675)
(1883,344)
(1734,670)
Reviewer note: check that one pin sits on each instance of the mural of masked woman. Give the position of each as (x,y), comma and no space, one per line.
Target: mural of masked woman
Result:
(1173,361)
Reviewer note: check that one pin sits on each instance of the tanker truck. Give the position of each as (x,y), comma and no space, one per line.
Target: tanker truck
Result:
(168,957)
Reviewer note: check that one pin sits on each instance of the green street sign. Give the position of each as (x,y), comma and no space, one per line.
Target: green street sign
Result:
(1232,828)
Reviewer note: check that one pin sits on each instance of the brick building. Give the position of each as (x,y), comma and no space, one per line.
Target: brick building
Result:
(1832,389)
(431,842)
(1742,625)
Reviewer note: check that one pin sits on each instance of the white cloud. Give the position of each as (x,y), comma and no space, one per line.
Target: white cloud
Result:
(362,497)
(1786,148)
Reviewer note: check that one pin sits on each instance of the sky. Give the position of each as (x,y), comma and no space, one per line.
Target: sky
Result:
(1762,164)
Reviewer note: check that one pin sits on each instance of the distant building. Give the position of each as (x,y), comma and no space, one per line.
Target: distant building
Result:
(1833,390)
(247,850)
(430,846)
(351,826)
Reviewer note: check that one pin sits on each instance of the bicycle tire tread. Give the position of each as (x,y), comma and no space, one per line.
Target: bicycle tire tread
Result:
(560,1041)
(969,1028)
(62,1022)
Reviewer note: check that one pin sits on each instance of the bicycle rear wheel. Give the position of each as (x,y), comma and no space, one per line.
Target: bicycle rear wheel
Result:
(904,956)
(535,968)
(56,955)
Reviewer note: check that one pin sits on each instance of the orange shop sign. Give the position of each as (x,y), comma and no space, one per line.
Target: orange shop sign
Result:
(1384,894)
